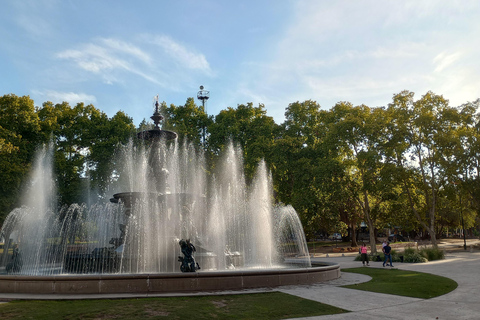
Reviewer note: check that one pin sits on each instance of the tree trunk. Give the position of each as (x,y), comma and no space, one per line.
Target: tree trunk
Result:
(354,236)
(371,227)
(431,226)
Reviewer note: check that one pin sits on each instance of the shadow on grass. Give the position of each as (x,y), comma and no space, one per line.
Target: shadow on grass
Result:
(403,283)
(271,305)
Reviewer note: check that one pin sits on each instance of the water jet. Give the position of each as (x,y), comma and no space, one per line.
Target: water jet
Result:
(130,242)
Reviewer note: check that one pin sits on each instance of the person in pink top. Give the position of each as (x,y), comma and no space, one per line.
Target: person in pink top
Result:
(363,251)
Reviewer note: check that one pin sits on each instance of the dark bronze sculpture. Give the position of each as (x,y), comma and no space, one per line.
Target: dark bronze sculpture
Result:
(16,264)
(188,261)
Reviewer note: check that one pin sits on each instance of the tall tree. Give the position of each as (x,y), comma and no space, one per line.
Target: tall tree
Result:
(306,168)
(189,121)
(85,140)
(248,126)
(425,157)
(19,127)
(468,154)
(361,131)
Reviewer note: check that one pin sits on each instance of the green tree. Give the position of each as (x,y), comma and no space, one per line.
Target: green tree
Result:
(306,169)
(105,135)
(189,121)
(426,139)
(19,128)
(85,140)
(248,126)
(360,132)
(468,155)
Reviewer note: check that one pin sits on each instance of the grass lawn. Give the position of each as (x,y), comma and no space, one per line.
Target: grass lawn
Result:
(403,283)
(272,305)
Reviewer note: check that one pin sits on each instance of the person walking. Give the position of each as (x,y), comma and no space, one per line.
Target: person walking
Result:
(363,251)
(387,251)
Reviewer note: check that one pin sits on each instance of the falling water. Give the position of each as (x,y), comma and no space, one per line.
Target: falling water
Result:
(164,194)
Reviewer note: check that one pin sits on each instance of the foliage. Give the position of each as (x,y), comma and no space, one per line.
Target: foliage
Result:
(432,254)
(427,135)
(189,121)
(359,133)
(306,170)
(414,257)
(411,255)
(84,137)
(250,128)
(374,257)
(413,164)
(85,140)
(19,127)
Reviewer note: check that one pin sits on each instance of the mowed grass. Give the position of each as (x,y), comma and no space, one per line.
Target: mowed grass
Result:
(403,283)
(272,305)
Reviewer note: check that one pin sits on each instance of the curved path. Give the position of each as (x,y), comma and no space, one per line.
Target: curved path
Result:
(462,303)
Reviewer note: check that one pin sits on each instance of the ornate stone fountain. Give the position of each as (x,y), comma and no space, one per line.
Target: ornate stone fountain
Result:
(162,195)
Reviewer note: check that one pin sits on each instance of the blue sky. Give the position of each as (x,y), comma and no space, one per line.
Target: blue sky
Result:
(117,55)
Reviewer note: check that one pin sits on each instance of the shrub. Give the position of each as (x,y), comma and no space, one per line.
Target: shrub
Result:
(371,257)
(395,257)
(410,255)
(409,251)
(432,254)
(414,257)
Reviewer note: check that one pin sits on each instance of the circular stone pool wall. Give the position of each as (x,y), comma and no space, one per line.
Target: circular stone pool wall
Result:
(167,282)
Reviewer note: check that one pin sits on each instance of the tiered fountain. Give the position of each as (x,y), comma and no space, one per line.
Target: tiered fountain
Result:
(130,244)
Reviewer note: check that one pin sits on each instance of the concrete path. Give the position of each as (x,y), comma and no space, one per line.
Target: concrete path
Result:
(462,303)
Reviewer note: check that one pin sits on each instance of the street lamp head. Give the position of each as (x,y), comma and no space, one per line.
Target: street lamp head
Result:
(203,94)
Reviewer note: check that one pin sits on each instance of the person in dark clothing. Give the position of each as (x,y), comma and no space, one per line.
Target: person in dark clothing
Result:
(387,251)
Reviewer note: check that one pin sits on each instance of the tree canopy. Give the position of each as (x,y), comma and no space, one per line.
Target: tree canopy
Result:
(413,164)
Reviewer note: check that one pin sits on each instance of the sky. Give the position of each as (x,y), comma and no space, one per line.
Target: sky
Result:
(118,55)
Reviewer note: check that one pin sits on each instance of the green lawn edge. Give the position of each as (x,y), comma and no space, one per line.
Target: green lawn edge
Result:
(403,282)
(270,305)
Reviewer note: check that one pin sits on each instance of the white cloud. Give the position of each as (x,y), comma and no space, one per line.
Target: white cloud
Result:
(444,60)
(366,53)
(129,49)
(94,58)
(181,54)
(114,60)
(70,97)
(108,57)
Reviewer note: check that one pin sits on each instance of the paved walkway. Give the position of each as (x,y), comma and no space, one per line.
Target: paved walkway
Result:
(462,303)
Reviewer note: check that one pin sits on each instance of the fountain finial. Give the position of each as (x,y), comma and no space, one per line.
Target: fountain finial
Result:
(157,117)
(157,133)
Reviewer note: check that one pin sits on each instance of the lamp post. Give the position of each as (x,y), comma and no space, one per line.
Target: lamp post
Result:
(463,224)
(461,217)
(203,95)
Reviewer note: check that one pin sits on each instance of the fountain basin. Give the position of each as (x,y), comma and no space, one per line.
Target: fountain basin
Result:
(167,282)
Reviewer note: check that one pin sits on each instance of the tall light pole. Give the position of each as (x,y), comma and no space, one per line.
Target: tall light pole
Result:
(463,224)
(461,216)
(203,95)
